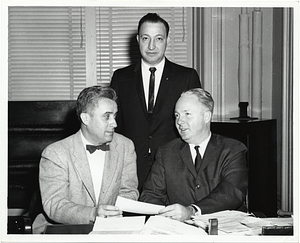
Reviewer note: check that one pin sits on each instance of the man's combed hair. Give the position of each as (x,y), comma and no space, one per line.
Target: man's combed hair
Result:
(204,97)
(88,98)
(153,18)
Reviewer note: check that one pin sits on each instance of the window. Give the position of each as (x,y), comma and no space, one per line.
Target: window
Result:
(47,47)
(46,55)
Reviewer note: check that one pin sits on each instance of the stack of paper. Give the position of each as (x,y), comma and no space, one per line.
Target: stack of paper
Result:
(233,222)
(123,225)
(155,225)
(159,225)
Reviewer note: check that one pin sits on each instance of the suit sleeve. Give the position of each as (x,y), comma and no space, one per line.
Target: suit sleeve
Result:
(154,190)
(129,179)
(114,81)
(54,185)
(195,80)
(114,85)
(231,191)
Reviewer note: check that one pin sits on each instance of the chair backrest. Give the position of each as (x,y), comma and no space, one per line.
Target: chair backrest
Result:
(35,206)
(33,125)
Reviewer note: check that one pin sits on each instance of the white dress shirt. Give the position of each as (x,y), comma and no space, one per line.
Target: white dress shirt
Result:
(96,162)
(202,148)
(146,77)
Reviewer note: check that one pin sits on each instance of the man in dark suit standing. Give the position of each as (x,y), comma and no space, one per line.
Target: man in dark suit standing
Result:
(200,172)
(147,93)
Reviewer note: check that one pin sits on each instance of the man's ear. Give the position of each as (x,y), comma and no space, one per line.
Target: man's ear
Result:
(207,116)
(168,40)
(138,38)
(85,118)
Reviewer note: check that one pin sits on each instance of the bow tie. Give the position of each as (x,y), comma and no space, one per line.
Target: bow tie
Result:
(93,148)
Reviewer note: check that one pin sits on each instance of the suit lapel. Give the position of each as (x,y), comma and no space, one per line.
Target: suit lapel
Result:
(186,157)
(209,154)
(138,81)
(110,166)
(82,165)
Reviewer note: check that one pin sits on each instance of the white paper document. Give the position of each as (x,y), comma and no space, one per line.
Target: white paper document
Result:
(131,206)
(235,222)
(228,221)
(159,225)
(123,225)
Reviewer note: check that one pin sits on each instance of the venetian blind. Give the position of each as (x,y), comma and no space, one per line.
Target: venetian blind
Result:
(46,53)
(46,47)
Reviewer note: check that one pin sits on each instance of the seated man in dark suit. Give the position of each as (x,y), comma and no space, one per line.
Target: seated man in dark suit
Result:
(200,172)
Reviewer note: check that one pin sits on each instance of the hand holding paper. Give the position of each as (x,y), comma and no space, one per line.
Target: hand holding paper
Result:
(128,205)
(176,211)
(108,211)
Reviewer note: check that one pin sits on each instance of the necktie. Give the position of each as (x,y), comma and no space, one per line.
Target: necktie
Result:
(151,90)
(93,148)
(198,158)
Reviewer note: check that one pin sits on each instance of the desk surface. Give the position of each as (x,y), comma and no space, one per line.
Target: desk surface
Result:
(87,228)
(69,229)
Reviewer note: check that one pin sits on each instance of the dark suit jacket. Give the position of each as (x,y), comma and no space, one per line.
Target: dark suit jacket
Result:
(133,120)
(220,184)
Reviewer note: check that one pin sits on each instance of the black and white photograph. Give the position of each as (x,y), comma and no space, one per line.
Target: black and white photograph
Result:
(150,121)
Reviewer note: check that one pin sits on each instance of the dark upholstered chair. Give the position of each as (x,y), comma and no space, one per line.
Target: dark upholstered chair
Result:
(32,125)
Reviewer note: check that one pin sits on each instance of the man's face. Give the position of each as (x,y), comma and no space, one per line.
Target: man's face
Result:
(101,123)
(192,119)
(153,42)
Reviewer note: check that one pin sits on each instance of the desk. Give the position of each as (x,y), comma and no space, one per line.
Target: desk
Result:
(79,228)
(69,229)
(87,228)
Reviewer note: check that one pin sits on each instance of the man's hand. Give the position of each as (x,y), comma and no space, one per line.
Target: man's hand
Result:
(177,211)
(106,211)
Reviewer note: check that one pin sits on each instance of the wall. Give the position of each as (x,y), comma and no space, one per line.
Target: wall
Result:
(227,55)
(219,67)
(218,39)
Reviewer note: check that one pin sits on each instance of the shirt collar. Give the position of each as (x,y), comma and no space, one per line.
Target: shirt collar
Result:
(85,141)
(202,145)
(158,66)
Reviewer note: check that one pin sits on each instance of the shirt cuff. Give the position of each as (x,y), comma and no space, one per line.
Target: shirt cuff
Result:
(197,209)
